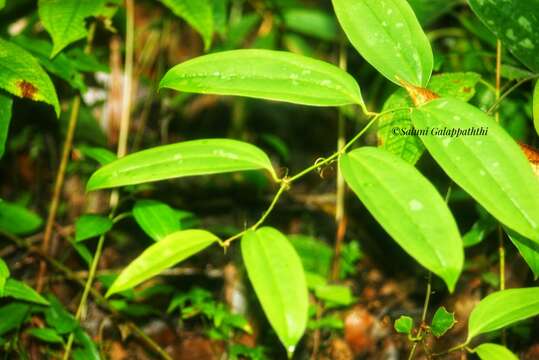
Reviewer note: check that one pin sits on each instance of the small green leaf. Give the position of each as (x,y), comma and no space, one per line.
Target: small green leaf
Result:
(404,325)
(528,249)
(491,168)
(157,219)
(88,349)
(388,35)
(198,13)
(46,334)
(408,207)
(22,76)
(494,352)
(514,22)
(15,219)
(335,294)
(501,309)
(188,158)
(20,291)
(4,275)
(479,231)
(64,20)
(91,225)
(13,315)
(312,22)
(442,322)
(316,255)
(536,107)
(6,103)
(265,74)
(275,271)
(59,318)
(101,155)
(162,255)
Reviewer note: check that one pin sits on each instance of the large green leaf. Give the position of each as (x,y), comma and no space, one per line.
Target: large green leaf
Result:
(265,74)
(171,250)
(15,219)
(22,76)
(388,35)
(20,291)
(491,168)
(64,20)
(275,270)
(157,219)
(188,158)
(515,22)
(390,125)
(528,249)
(198,13)
(536,107)
(494,352)
(5,118)
(91,225)
(408,207)
(503,308)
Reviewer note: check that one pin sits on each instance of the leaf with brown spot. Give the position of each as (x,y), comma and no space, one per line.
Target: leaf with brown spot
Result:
(22,76)
(532,155)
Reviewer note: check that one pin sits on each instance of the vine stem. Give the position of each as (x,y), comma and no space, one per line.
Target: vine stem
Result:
(423,315)
(122,150)
(60,174)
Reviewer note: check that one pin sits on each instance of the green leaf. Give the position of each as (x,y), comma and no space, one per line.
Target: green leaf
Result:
(536,107)
(46,334)
(162,255)
(442,322)
(21,291)
(4,275)
(2,4)
(404,324)
(409,147)
(88,349)
(501,309)
(479,231)
(335,294)
(91,225)
(188,158)
(22,76)
(13,315)
(408,207)
(157,219)
(198,13)
(59,318)
(494,352)
(316,255)
(265,74)
(388,35)
(6,103)
(428,11)
(514,22)
(101,155)
(275,271)
(64,20)
(311,22)
(491,168)
(528,249)
(17,220)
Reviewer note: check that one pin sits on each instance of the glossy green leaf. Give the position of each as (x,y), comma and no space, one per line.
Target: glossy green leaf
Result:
(188,158)
(157,219)
(491,168)
(334,294)
(101,155)
(536,107)
(22,76)
(408,207)
(409,147)
(4,275)
(494,352)
(17,220)
(91,225)
(20,291)
(5,118)
(404,325)
(503,308)
(514,22)
(198,13)
(64,20)
(265,74)
(311,22)
(528,249)
(442,322)
(59,318)
(46,334)
(162,255)
(388,35)
(276,273)
(13,315)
